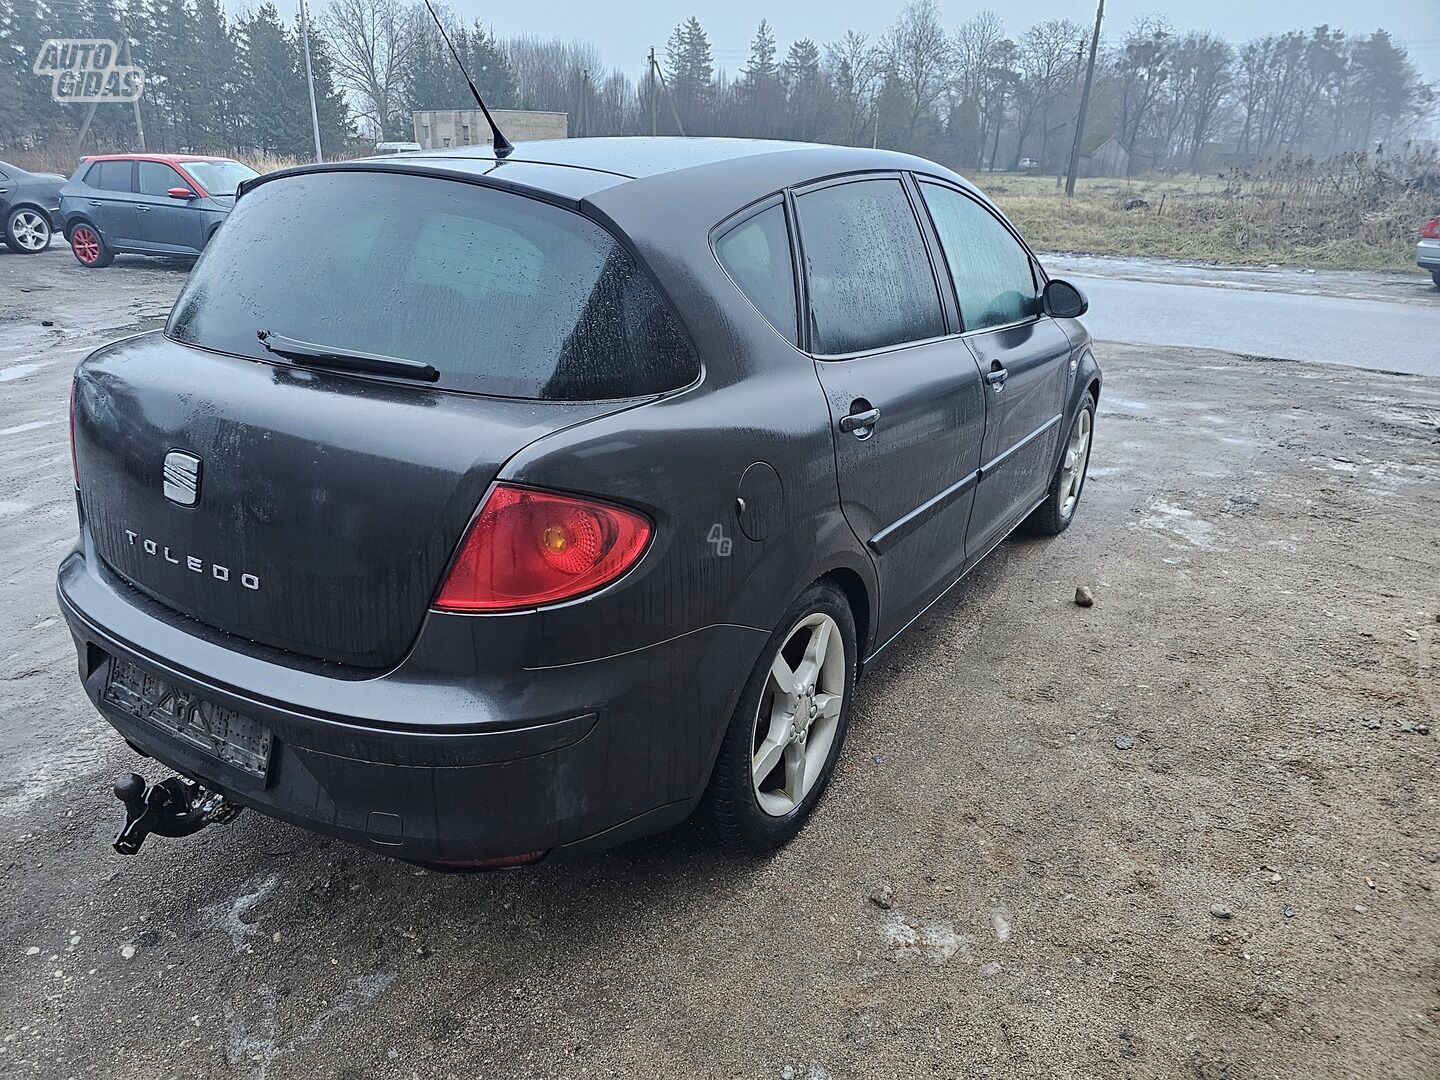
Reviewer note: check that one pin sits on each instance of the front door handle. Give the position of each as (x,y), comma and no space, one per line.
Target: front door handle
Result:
(143,209)
(997,375)
(861,424)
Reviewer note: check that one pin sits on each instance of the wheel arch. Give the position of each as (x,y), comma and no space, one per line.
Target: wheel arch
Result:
(29,204)
(78,219)
(857,592)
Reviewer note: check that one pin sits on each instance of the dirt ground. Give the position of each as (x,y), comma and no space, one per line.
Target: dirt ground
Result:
(1060,798)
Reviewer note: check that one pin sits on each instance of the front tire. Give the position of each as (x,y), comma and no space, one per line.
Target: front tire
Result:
(27,231)
(787,730)
(1053,516)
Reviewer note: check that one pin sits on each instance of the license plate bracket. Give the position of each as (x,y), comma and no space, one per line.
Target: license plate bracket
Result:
(229,737)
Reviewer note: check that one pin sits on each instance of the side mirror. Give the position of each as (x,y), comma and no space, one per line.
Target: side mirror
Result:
(1062,300)
(181,193)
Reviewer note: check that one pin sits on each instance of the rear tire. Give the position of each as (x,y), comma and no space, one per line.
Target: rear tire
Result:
(1053,516)
(781,746)
(1435,276)
(89,246)
(27,230)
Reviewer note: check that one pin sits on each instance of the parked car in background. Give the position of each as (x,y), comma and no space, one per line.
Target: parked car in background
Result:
(386,148)
(1029,164)
(472,514)
(29,208)
(1427,253)
(147,204)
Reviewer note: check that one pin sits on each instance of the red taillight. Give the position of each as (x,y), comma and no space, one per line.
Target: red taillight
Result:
(74,460)
(528,548)
(1432,229)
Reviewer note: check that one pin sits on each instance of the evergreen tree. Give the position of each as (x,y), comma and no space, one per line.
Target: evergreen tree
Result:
(278,106)
(691,71)
(759,93)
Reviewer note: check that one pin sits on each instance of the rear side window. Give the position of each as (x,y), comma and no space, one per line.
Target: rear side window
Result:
(503,294)
(156,178)
(110,175)
(994,281)
(870,279)
(756,255)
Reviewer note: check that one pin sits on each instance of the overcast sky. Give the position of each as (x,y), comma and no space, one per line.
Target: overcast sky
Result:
(623,29)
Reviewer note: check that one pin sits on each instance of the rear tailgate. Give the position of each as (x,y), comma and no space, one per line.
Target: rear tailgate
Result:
(327,506)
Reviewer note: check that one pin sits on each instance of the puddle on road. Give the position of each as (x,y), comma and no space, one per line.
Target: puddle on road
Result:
(1179,522)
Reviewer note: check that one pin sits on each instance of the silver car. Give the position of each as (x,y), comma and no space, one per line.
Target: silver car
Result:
(1427,252)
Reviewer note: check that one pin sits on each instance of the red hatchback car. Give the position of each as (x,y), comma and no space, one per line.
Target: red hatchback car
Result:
(147,204)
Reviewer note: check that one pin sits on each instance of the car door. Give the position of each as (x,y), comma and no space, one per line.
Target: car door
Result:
(905,395)
(108,203)
(167,224)
(8,184)
(1023,354)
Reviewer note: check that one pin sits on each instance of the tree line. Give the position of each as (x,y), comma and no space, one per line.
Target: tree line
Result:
(971,96)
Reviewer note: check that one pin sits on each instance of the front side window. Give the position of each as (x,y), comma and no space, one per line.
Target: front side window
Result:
(110,175)
(502,294)
(756,255)
(157,178)
(994,281)
(870,280)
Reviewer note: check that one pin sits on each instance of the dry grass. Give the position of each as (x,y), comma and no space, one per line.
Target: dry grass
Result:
(1349,213)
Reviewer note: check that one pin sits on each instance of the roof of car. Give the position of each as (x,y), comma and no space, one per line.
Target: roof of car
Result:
(580,168)
(169,159)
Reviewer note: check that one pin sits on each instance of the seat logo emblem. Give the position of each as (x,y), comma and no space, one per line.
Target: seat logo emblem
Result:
(182,478)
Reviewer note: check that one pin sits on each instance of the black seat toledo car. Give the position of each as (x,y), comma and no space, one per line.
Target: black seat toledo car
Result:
(476,511)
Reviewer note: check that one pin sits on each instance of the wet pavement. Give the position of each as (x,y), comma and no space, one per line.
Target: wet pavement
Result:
(1379,321)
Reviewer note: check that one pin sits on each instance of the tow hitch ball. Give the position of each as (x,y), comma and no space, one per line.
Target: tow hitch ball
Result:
(173,807)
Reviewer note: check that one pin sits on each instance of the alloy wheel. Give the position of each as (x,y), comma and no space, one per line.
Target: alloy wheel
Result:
(30,230)
(85,244)
(1077,457)
(798,714)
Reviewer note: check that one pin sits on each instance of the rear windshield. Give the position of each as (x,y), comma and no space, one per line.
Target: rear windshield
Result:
(503,294)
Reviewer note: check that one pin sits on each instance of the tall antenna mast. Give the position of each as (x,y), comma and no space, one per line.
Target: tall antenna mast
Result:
(503,148)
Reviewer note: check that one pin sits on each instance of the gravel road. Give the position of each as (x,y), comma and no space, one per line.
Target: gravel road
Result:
(1191,831)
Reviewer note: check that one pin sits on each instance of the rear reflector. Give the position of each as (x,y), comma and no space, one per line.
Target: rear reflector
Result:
(527,858)
(527,548)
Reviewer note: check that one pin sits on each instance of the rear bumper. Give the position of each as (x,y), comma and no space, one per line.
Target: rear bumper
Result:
(1427,255)
(433,766)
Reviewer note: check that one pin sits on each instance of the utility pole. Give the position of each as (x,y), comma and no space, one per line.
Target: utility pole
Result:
(1084,104)
(310,78)
(139,124)
(583,121)
(1074,85)
(674,112)
(652,91)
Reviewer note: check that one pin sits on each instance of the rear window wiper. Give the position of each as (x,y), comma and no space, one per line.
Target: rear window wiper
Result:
(304,352)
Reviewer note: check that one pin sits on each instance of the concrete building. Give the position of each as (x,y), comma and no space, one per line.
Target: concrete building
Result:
(436,128)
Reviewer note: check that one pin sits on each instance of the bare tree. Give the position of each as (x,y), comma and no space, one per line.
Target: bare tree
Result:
(917,59)
(854,67)
(372,43)
(1048,57)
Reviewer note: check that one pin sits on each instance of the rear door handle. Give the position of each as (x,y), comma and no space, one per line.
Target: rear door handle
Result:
(860,424)
(143,209)
(997,375)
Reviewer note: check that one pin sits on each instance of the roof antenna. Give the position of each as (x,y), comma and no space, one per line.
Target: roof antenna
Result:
(503,147)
